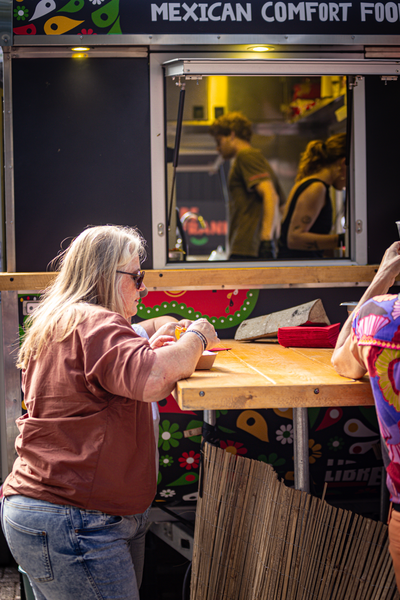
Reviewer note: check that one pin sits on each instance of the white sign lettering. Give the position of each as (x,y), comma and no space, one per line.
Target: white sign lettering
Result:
(218,11)
(305,11)
(380,12)
(276,12)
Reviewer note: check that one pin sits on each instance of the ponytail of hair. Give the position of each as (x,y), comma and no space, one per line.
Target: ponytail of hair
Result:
(319,154)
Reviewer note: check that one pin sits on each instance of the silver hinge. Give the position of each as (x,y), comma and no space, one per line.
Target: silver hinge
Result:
(359,226)
(353,82)
(387,78)
(160,229)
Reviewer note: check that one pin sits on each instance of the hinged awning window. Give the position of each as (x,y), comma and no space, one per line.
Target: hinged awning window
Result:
(345,65)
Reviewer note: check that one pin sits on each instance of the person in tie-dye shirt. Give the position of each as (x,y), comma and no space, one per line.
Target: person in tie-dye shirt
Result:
(370,343)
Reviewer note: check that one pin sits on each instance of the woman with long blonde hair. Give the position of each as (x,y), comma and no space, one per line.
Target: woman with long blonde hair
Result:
(76,502)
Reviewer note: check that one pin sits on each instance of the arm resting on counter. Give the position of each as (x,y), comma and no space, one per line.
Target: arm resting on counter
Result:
(347,357)
(174,362)
(345,362)
(177,360)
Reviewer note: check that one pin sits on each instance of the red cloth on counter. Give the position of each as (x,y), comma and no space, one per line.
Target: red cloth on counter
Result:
(306,336)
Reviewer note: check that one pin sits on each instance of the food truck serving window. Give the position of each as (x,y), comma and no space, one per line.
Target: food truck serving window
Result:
(289,103)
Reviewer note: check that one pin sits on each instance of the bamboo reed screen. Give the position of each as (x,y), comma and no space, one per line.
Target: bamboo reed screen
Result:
(256,539)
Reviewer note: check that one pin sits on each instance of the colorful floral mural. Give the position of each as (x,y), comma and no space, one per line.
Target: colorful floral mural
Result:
(344,449)
(52,17)
(267,435)
(223,308)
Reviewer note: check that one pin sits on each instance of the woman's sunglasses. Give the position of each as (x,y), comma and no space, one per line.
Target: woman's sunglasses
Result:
(137,277)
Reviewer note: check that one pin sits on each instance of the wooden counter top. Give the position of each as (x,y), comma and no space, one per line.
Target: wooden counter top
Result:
(266,375)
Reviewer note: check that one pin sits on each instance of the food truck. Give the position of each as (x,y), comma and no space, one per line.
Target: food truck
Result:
(107,107)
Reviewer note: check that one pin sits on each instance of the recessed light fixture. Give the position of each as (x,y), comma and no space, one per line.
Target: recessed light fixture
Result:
(80,49)
(260,48)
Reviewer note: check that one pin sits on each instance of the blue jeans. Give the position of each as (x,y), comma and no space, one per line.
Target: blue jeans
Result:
(69,553)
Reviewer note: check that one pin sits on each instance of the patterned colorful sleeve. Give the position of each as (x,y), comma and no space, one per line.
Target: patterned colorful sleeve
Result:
(354,324)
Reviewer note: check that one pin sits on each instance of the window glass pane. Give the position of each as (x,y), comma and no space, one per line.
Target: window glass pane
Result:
(286,114)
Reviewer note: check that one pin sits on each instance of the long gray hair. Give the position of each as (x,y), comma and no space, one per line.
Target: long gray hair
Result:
(87,275)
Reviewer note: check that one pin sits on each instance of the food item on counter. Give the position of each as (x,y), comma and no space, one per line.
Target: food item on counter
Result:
(179,330)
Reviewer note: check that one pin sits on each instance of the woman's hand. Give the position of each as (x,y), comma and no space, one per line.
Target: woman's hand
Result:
(184,323)
(390,266)
(170,328)
(176,360)
(207,330)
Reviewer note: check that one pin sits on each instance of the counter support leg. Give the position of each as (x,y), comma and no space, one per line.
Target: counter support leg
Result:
(300,446)
(209,416)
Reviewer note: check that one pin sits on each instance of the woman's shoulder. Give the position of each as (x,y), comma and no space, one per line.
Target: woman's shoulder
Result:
(83,320)
(304,184)
(93,316)
(312,181)
(101,327)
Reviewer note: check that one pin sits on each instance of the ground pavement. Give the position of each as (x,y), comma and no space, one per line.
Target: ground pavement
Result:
(9,583)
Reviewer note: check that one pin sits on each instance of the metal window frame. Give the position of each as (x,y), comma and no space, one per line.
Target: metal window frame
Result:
(10,397)
(195,65)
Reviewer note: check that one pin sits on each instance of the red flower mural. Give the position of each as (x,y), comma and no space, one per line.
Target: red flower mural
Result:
(233,447)
(189,460)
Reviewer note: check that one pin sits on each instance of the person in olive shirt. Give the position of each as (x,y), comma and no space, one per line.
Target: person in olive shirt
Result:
(255,195)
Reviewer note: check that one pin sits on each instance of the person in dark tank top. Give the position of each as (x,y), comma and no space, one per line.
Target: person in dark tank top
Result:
(307,221)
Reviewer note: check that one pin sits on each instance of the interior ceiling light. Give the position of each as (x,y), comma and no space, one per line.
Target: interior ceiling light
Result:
(80,49)
(260,48)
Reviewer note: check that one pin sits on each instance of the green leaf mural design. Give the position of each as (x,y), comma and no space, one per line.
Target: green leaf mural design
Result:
(313,415)
(272,460)
(194,425)
(72,6)
(225,429)
(106,14)
(186,479)
(116,28)
(369,412)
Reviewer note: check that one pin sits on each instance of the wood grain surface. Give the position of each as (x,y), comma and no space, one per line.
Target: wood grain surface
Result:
(265,375)
(240,278)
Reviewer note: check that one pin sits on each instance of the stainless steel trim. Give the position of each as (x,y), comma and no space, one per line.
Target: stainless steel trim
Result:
(240,54)
(300,447)
(210,417)
(152,39)
(66,52)
(6,17)
(382,52)
(12,385)
(9,164)
(359,166)
(293,66)
(157,144)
